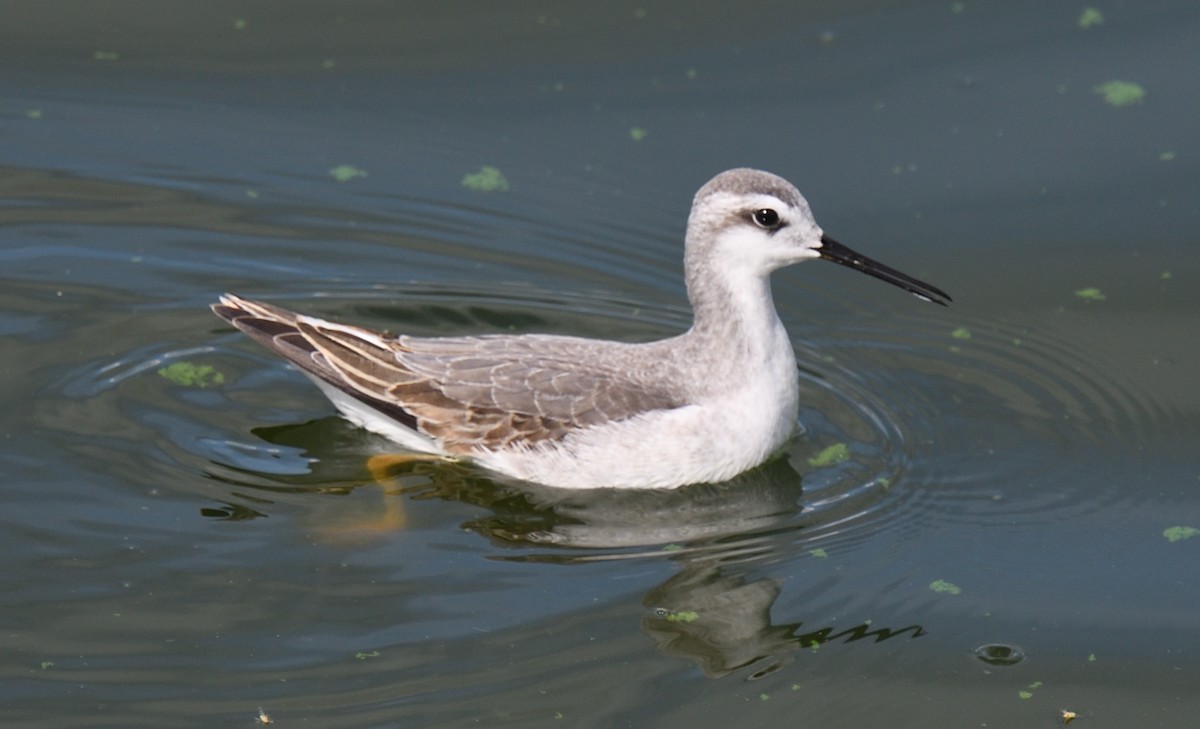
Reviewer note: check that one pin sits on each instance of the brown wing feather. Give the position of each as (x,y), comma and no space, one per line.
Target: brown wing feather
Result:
(466,392)
(277,330)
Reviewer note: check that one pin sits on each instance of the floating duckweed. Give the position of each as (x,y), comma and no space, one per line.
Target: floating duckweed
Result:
(1179,533)
(1090,17)
(33,114)
(961,333)
(1121,93)
(1027,692)
(188,374)
(637,134)
(239,24)
(1091,294)
(345,173)
(1166,156)
(821,553)
(682,616)
(364,655)
(944,586)
(105,56)
(830,456)
(487,179)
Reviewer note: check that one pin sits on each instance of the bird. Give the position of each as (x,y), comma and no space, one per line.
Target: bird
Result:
(571,412)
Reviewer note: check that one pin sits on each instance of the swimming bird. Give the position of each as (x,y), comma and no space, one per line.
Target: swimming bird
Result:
(570,412)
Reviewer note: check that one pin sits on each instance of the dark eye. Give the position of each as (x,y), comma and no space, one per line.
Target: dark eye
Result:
(766,218)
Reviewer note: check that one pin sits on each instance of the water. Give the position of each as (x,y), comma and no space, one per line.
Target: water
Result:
(992,549)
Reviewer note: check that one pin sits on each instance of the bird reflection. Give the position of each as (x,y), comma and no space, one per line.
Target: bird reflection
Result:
(714,611)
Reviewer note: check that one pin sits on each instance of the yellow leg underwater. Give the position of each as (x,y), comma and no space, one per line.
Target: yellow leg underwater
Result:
(385,466)
(393,516)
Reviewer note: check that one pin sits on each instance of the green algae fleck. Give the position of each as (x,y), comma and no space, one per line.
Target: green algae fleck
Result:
(1090,17)
(830,456)
(345,173)
(1179,533)
(944,586)
(487,179)
(683,616)
(189,374)
(1121,93)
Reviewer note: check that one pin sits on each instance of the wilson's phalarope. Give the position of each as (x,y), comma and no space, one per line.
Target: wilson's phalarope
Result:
(703,406)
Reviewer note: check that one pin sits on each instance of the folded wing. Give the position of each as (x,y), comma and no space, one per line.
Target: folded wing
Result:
(464,392)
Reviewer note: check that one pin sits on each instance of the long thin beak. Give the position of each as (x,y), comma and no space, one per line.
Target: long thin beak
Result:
(831,250)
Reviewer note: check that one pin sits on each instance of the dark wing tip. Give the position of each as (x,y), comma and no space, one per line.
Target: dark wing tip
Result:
(226,312)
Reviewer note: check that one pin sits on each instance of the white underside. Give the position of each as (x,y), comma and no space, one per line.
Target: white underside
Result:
(371,419)
(663,449)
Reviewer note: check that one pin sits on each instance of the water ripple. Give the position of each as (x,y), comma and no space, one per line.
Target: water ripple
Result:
(905,422)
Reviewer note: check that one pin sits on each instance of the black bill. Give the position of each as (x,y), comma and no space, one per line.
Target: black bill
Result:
(831,250)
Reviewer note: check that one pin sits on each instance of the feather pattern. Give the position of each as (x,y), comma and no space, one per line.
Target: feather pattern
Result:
(465,393)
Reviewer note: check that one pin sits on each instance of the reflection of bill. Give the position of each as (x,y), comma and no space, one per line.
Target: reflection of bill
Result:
(723,623)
